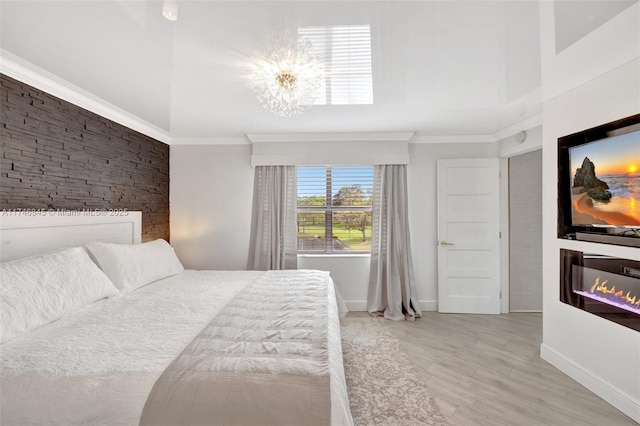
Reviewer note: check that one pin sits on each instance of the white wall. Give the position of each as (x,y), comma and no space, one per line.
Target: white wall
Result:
(211,196)
(573,340)
(602,355)
(211,192)
(350,273)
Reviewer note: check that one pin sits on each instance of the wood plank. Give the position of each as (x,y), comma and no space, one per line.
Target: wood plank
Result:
(486,370)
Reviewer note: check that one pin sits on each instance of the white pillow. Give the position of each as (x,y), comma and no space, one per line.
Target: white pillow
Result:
(41,289)
(130,266)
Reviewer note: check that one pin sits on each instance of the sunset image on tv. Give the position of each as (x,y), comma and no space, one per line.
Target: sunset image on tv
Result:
(605,181)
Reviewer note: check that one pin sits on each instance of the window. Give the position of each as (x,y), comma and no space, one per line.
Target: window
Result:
(334,209)
(345,51)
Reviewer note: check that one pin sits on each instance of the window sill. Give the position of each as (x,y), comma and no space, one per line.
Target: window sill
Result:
(327,255)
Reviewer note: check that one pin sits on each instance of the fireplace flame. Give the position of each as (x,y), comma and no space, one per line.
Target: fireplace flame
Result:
(629,299)
(602,289)
(597,286)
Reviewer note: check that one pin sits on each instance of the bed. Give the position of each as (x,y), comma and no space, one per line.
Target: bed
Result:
(159,344)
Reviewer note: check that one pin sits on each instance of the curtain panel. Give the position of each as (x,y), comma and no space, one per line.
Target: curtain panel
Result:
(392,290)
(273,220)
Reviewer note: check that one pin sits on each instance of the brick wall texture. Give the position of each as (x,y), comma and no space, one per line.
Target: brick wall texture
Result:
(55,155)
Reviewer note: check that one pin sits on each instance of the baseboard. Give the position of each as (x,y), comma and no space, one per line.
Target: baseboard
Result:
(361,305)
(603,389)
(356,305)
(525,311)
(429,305)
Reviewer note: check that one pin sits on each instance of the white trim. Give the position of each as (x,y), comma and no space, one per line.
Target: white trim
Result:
(600,387)
(504,235)
(429,305)
(525,311)
(520,150)
(330,137)
(422,139)
(361,305)
(526,124)
(35,76)
(333,255)
(217,140)
(411,137)
(356,305)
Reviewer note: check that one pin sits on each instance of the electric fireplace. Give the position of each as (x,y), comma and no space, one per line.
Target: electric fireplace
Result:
(602,285)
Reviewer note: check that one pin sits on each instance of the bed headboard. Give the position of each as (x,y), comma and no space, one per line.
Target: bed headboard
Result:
(29,232)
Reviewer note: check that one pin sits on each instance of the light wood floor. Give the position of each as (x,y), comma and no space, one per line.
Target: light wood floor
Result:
(485,370)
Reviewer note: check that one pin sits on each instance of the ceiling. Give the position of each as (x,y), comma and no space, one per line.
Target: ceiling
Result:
(439,68)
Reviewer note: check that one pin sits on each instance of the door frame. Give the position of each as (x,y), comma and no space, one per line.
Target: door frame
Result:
(504,226)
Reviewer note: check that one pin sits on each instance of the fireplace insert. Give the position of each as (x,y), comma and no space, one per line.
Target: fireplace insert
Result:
(602,285)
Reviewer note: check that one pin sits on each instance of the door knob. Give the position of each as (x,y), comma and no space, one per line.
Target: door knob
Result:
(444,243)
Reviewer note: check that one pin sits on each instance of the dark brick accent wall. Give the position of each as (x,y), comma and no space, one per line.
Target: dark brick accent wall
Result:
(56,155)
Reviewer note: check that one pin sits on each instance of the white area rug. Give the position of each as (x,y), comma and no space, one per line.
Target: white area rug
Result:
(384,387)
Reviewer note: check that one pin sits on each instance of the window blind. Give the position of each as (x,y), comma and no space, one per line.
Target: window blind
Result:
(334,208)
(345,51)
(339,187)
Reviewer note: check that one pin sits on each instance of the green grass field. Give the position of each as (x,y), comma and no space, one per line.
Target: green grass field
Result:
(351,239)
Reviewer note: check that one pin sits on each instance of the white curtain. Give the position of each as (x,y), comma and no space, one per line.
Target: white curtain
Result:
(273,222)
(392,290)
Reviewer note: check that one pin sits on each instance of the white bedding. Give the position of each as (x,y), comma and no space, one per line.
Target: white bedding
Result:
(99,365)
(263,360)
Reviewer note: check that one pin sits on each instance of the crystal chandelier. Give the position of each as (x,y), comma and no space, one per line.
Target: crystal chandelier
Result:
(286,81)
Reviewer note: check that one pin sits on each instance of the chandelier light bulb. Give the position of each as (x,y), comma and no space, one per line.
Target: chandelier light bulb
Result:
(287,80)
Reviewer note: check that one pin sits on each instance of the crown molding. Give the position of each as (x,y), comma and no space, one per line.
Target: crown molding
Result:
(330,137)
(425,139)
(525,124)
(216,140)
(35,76)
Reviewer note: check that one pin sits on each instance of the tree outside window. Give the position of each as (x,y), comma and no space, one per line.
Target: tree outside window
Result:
(341,224)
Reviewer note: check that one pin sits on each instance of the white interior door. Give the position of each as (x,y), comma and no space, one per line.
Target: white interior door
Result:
(468,236)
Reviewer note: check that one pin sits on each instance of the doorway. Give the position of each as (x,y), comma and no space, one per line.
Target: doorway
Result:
(525,232)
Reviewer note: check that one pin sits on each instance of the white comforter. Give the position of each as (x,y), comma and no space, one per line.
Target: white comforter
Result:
(99,365)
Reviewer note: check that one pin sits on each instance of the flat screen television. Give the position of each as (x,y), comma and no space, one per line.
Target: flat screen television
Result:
(599,183)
